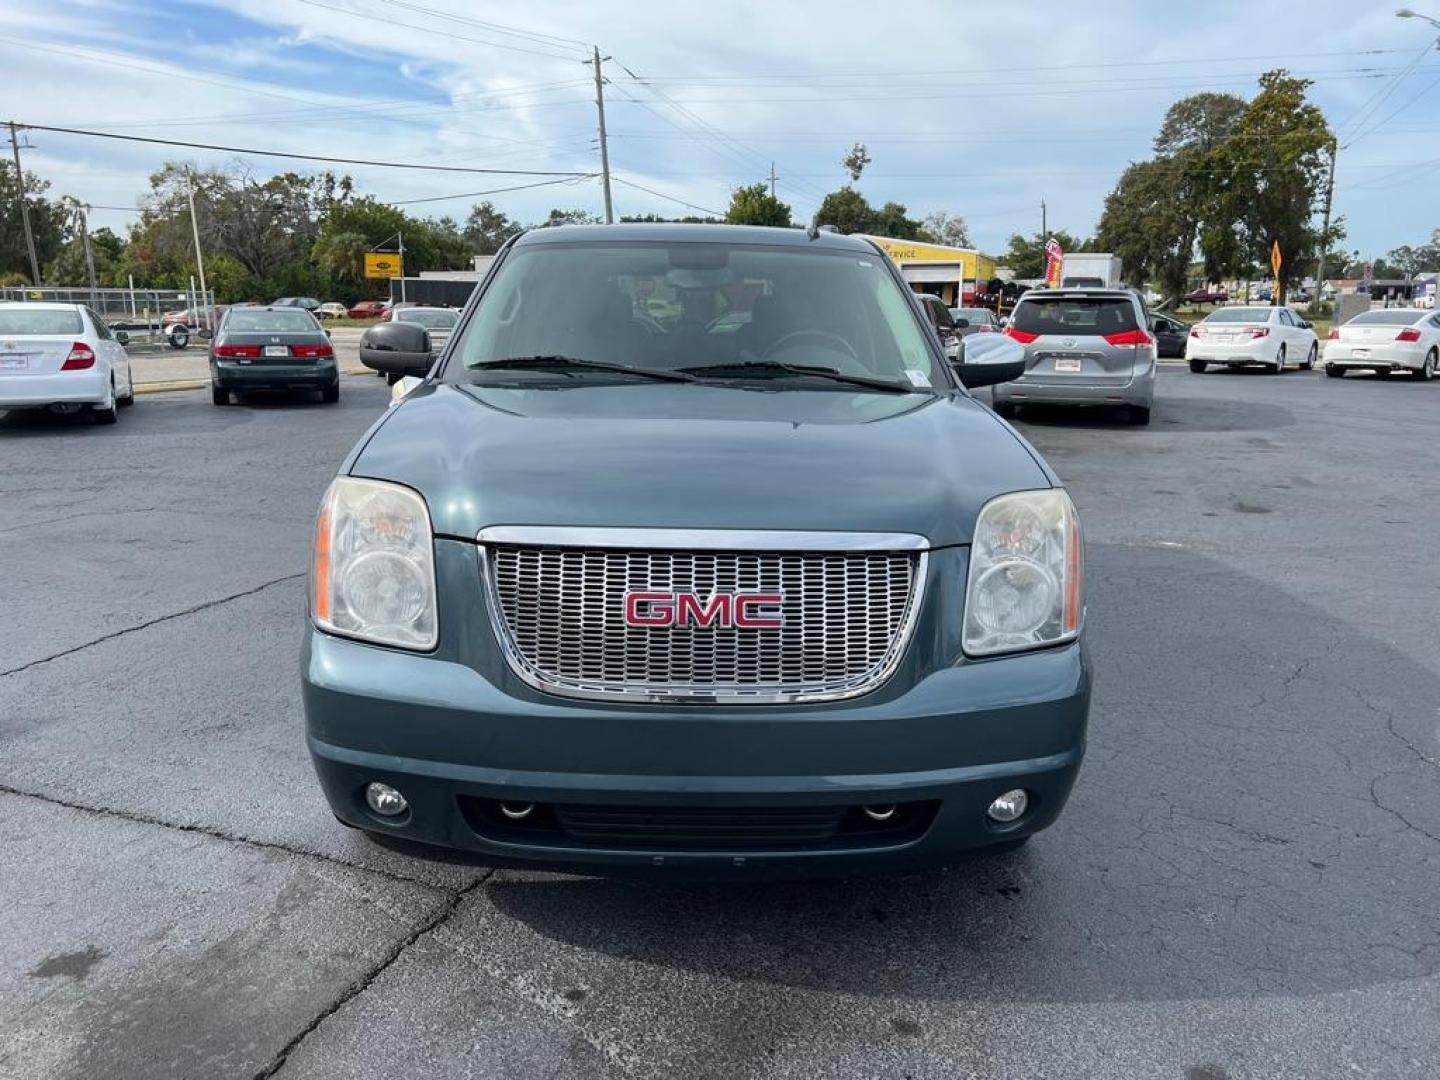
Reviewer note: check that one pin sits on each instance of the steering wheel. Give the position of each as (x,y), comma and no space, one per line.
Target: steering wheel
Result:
(824,335)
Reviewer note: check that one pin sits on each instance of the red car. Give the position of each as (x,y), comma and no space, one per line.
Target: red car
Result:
(369,309)
(1207,295)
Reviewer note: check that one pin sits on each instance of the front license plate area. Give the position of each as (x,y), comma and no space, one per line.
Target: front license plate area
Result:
(277,350)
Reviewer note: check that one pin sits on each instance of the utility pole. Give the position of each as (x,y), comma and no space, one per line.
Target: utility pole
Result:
(773,178)
(206,319)
(24,206)
(400,238)
(1044,222)
(1324,232)
(604,146)
(84,211)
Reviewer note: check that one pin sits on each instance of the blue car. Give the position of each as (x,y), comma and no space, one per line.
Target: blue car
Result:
(693,553)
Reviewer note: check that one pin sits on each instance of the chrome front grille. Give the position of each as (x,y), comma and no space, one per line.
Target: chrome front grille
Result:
(561,618)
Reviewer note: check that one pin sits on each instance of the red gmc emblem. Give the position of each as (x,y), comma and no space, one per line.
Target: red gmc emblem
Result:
(744,611)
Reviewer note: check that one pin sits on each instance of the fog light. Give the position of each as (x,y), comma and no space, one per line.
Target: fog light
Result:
(517,811)
(385,800)
(1009,807)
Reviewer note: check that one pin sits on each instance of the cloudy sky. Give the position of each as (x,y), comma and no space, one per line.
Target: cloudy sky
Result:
(979,110)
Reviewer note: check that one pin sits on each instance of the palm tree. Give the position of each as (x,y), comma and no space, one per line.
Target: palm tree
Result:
(343,255)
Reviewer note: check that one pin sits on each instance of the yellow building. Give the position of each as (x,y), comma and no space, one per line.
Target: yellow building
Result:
(950,272)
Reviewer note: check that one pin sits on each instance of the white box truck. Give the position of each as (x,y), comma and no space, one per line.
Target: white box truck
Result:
(1090,269)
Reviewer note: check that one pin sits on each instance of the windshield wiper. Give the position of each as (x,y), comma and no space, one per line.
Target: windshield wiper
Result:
(571,363)
(745,367)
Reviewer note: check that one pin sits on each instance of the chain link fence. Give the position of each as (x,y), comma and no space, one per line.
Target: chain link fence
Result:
(168,317)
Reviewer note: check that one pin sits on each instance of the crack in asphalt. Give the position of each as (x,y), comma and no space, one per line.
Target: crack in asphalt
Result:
(210,831)
(365,981)
(149,623)
(77,516)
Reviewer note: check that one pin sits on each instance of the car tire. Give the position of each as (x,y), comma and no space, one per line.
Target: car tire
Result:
(105,414)
(1427,369)
(218,396)
(1004,409)
(331,394)
(1139,415)
(128,399)
(1198,366)
(1278,367)
(1334,371)
(179,339)
(1309,364)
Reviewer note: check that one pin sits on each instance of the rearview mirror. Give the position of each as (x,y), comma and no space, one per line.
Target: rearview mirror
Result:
(396,348)
(122,337)
(987,359)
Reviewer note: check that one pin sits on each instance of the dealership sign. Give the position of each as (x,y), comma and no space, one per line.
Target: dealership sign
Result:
(383,264)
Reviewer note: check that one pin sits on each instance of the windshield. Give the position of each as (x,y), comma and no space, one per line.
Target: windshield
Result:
(275,322)
(671,306)
(431,320)
(973,314)
(1240,315)
(1385,318)
(1075,315)
(37,321)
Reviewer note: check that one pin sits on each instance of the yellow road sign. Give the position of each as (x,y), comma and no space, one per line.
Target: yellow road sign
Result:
(383,264)
(1275,260)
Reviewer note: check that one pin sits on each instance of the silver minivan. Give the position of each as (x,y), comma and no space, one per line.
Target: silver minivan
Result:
(1082,347)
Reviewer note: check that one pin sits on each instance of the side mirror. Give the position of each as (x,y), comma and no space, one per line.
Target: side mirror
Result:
(396,348)
(961,324)
(327,333)
(986,359)
(122,337)
(205,333)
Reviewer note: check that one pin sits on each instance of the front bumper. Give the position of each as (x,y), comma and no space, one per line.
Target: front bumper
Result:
(446,737)
(88,387)
(230,375)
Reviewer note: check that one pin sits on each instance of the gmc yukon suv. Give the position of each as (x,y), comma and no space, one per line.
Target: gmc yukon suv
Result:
(693,553)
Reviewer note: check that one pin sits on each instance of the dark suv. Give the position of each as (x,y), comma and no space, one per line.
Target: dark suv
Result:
(693,552)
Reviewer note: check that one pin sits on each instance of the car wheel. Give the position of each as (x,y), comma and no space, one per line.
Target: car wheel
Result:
(179,339)
(1309,363)
(218,396)
(1278,367)
(331,394)
(129,398)
(1004,409)
(1198,366)
(1138,414)
(1427,369)
(1334,371)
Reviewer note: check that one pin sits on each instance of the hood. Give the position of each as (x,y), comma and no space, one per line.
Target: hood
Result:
(662,455)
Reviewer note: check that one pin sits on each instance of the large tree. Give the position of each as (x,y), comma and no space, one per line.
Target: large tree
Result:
(942,228)
(1275,162)
(1026,254)
(487,228)
(754,205)
(47,223)
(851,212)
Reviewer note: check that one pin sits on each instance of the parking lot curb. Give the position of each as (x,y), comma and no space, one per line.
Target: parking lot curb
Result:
(174,384)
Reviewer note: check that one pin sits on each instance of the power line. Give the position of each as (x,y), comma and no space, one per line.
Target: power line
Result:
(494,27)
(667,198)
(448,34)
(493,191)
(1008,70)
(1377,99)
(1398,110)
(252,152)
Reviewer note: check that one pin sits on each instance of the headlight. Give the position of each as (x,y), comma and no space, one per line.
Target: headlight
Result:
(1025,570)
(374,565)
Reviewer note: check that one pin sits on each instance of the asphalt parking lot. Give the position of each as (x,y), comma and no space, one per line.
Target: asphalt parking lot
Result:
(1244,884)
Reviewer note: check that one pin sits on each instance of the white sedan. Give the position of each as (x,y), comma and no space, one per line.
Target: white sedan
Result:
(62,357)
(1237,336)
(1400,339)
